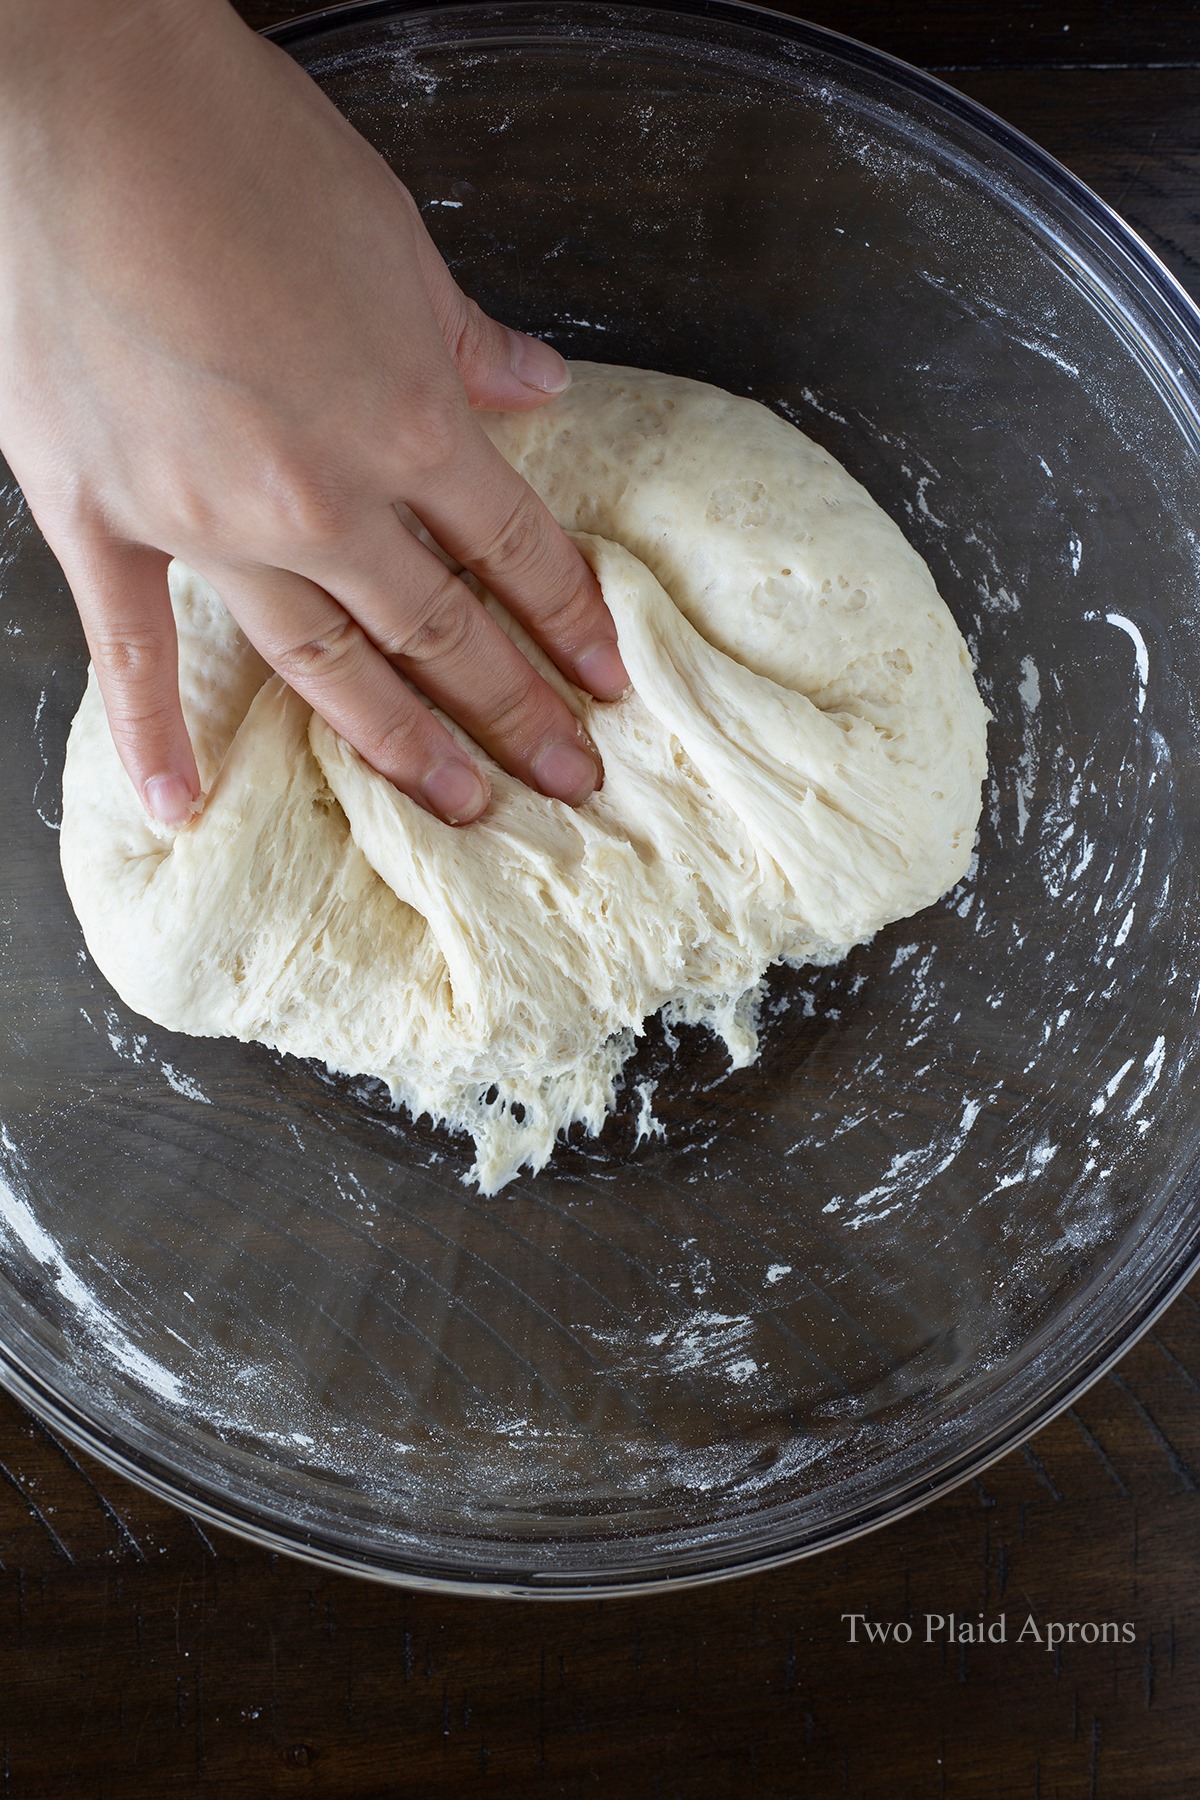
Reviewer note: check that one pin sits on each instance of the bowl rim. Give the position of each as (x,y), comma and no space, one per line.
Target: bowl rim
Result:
(1174,309)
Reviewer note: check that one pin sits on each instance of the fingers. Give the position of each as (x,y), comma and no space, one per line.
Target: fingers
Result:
(433,629)
(328,658)
(121,593)
(397,609)
(494,524)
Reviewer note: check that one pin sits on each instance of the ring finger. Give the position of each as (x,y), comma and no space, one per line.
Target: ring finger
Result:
(325,655)
(431,627)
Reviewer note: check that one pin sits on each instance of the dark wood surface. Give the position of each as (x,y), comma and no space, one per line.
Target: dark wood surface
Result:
(144,1656)
(974,34)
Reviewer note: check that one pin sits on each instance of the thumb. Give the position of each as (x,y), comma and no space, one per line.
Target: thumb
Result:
(501,369)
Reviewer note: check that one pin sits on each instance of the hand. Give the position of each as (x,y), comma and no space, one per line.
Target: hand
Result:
(226,336)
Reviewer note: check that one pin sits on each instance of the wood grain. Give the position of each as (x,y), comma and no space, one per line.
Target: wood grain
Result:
(143,1655)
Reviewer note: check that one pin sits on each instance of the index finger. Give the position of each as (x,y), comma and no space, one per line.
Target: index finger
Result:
(492,522)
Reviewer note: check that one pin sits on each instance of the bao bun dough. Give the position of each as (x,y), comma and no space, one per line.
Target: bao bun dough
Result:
(798,764)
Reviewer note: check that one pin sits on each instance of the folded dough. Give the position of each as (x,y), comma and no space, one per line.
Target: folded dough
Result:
(798,764)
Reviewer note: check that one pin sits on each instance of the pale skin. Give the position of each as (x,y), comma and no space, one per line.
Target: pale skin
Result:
(225,335)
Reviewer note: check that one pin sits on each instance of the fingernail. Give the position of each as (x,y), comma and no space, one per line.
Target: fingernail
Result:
(565,772)
(537,365)
(168,799)
(454,791)
(601,671)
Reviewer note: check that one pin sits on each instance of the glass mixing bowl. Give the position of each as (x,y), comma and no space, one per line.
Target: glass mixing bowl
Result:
(962,1176)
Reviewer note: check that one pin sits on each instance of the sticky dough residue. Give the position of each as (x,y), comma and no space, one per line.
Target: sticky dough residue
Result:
(798,764)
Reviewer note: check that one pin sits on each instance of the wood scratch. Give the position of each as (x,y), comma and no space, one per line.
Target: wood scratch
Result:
(1143,158)
(1174,1361)
(38,1514)
(1093,1442)
(1178,1465)
(1040,1470)
(106,1506)
(201,1534)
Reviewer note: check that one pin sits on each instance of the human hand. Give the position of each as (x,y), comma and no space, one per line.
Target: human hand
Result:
(226,336)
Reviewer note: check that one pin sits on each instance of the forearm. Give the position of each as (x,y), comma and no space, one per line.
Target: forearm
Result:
(78,78)
(48,42)
(113,114)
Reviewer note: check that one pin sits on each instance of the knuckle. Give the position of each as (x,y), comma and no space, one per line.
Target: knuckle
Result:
(447,629)
(186,514)
(129,658)
(518,546)
(395,746)
(137,681)
(297,509)
(153,719)
(328,655)
(470,335)
(566,616)
(68,519)
(522,711)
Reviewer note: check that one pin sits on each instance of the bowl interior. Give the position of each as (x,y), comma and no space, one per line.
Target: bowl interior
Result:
(963,1170)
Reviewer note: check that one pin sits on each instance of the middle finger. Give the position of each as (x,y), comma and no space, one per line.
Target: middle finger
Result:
(433,629)
(493,523)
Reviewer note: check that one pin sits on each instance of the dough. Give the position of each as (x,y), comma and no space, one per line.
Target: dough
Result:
(798,764)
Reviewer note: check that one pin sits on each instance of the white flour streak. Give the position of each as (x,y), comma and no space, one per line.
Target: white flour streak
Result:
(1029,688)
(1106,1093)
(1086,852)
(708,1340)
(1140,651)
(50,818)
(911,1170)
(1027,763)
(997,600)
(129,1046)
(1042,349)
(827,412)
(923,505)
(19,1225)
(1152,1069)
(183,1084)
(1041,1156)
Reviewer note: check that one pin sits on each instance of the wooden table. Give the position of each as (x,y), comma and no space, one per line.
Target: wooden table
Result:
(143,1656)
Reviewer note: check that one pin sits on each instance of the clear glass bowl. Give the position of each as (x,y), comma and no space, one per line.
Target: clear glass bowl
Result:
(962,1176)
